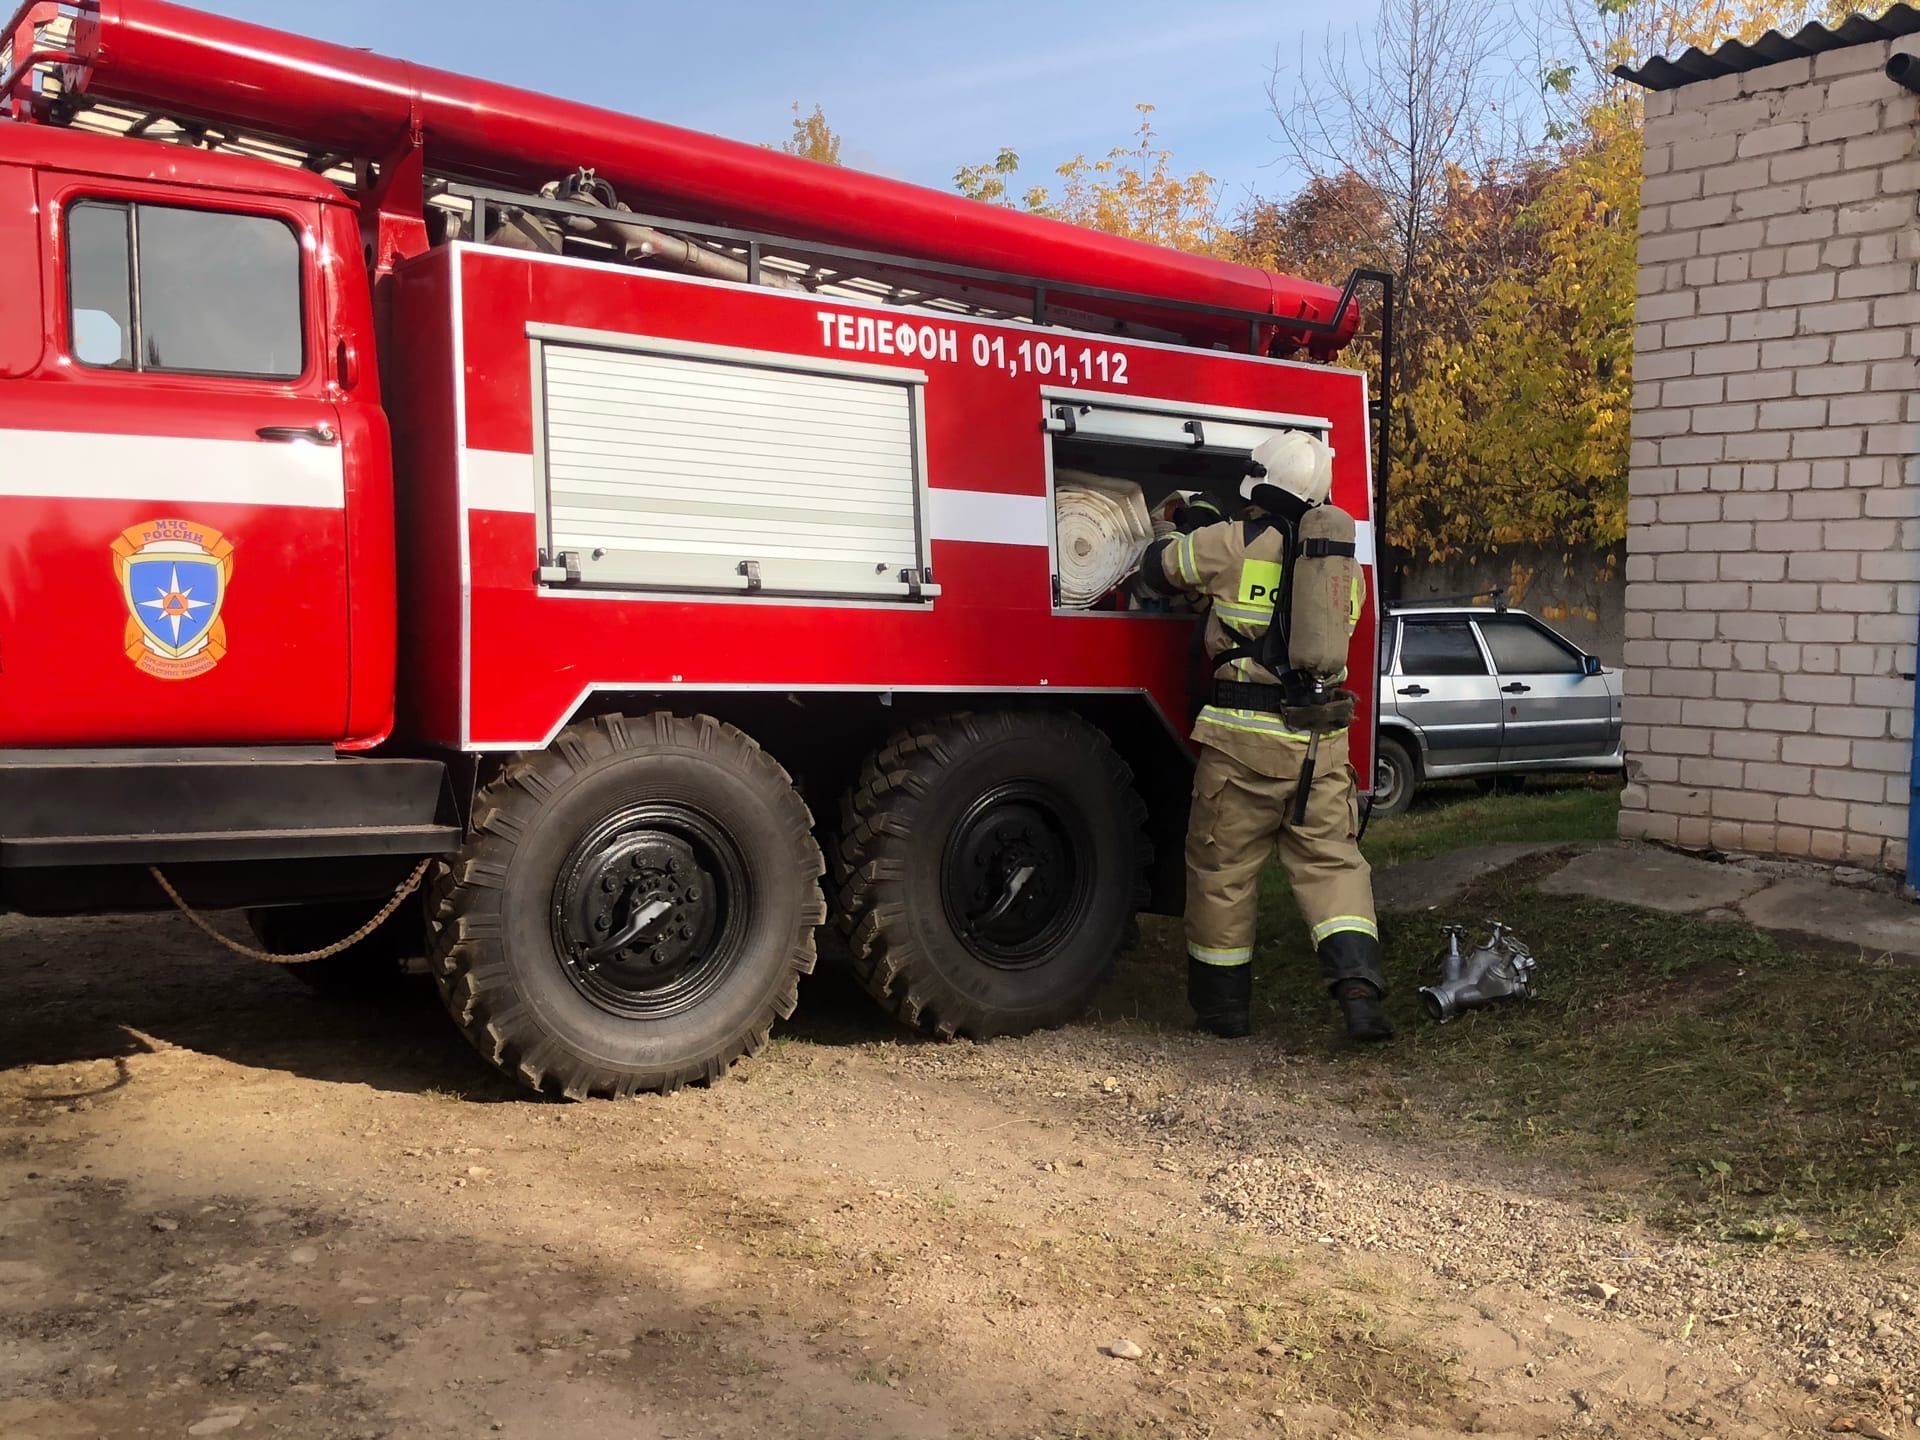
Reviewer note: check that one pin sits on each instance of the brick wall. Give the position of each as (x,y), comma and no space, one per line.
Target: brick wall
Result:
(1773,552)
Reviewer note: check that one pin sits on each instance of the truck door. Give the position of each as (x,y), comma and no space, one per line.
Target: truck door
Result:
(174,496)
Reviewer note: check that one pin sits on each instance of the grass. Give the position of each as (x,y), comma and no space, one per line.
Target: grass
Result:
(1725,1084)
(1445,819)
(1767,1093)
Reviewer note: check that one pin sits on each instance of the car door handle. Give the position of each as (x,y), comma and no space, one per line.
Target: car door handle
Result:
(293,434)
(1516,689)
(1415,690)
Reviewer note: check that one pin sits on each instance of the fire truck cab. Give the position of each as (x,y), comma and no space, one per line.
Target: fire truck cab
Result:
(647,542)
(181,335)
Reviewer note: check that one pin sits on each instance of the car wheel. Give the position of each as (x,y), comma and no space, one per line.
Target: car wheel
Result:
(1394,778)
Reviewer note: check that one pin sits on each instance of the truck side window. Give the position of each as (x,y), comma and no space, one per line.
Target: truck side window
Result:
(200,292)
(1440,647)
(101,247)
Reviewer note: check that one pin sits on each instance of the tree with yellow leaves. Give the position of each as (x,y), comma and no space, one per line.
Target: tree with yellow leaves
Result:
(812,138)
(1521,266)
(1596,36)
(1521,396)
(1518,261)
(1134,191)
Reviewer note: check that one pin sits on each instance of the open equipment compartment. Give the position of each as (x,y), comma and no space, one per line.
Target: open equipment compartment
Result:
(670,465)
(1160,446)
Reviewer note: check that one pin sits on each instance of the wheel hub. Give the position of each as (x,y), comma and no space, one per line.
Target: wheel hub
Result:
(1013,880)
(644,911)
(1387,780)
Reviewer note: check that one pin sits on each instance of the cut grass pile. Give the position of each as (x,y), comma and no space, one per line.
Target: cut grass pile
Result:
(1699,1072)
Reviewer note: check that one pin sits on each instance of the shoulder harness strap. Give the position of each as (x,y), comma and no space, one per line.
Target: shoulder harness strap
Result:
(1259,648)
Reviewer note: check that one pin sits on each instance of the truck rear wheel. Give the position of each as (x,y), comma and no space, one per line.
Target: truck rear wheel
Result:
(633,909)
(990,867)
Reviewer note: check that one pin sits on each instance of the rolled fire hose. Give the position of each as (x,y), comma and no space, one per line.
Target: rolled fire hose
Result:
(1102,530)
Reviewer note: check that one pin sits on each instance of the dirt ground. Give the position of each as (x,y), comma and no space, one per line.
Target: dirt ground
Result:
(228,1206)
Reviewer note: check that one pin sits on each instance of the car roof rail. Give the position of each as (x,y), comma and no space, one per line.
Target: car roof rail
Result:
(1498,595)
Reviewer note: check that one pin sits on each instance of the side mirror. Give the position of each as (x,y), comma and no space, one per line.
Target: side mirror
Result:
(1590,664)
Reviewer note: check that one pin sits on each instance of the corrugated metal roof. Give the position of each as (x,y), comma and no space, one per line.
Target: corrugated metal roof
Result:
(1735,58)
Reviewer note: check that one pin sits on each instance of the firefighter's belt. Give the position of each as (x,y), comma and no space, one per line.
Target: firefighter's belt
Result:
(1333,713)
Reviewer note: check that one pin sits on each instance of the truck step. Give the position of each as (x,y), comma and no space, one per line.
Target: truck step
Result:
(160,807)
(65,850)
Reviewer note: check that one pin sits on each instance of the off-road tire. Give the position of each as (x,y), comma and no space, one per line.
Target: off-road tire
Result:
(495,956)
(895,826)
(1393,799)
(376,966)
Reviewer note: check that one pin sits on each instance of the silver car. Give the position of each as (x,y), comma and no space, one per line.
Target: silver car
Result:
(1487,693)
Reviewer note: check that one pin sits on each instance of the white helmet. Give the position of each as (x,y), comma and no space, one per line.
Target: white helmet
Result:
(1296,462)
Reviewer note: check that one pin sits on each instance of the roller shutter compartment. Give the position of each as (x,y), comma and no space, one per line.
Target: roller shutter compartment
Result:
(705,472)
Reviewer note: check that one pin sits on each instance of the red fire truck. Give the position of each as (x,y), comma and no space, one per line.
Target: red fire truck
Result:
(404,475)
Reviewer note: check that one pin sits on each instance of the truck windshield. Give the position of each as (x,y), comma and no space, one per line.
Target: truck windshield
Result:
(203,292)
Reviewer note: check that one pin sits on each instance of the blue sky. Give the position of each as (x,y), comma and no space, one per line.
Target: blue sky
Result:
(917,89)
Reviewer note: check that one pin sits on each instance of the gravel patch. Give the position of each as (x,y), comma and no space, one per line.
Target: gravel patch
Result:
(1277,1154)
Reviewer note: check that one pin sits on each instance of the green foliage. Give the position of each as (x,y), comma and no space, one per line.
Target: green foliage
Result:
(1692,1072)
(991,183)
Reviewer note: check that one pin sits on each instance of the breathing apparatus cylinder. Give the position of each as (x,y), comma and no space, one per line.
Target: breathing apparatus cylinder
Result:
(1326,594)
(1291,473)
(1318,609)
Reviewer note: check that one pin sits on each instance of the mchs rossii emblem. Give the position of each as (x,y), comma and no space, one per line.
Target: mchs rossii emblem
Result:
(174,576)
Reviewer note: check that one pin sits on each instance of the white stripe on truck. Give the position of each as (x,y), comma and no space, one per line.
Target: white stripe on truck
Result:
(169,470)
(989,518)
(500,480)
(503,481)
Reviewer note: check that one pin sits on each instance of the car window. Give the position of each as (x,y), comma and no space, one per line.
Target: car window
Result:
(200,292)
(1440,647)
(1522,648)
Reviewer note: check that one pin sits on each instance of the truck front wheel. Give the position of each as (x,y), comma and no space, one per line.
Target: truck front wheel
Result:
(990,867)
(633,909)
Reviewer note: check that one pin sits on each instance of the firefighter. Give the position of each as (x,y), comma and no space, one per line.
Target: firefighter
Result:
(1265,732)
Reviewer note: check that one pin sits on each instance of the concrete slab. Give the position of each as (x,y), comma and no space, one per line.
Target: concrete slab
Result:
(1829,914)
(1424,884)
(1654,880)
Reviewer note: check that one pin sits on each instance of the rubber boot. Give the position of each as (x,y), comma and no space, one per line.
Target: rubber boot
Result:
(1361,1002)
(1222,998)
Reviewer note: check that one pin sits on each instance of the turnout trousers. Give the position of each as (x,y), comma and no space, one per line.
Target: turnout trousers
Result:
(1241,814)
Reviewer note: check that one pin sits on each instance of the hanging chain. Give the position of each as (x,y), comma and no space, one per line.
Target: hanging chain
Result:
(412,883)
